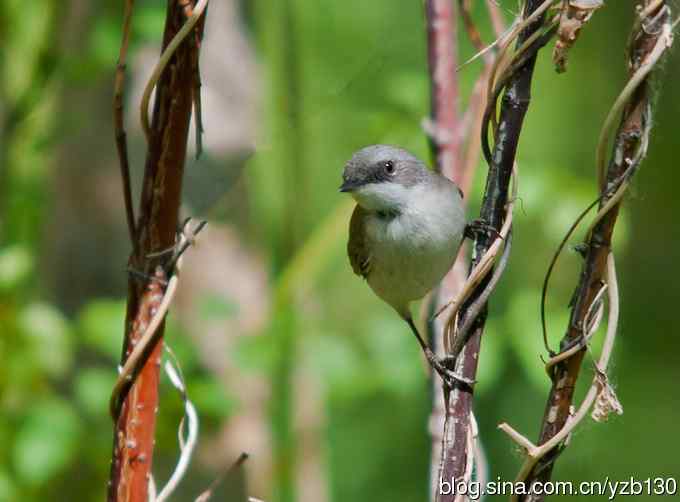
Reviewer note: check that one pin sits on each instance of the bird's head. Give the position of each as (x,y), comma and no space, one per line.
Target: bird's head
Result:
(382,177)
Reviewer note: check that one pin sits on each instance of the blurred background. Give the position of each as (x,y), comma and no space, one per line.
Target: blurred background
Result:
(288,355)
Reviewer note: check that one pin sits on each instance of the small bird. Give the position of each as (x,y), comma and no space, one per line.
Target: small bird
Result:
(405,231)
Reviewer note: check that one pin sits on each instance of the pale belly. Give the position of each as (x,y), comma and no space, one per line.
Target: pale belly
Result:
(410,255)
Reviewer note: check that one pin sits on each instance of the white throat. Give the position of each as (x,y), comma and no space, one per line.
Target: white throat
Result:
(386,196)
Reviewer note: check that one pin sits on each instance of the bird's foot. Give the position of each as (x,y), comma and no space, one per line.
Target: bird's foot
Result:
(477,227)
(444,367)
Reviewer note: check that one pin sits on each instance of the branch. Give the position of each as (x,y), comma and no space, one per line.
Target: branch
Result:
(598,389)
(118,125)
(168,53)
(162,294)
(206,494)
(154,233)
(650,39)
(458,163)
(444,119)
(444,128)
(494,213)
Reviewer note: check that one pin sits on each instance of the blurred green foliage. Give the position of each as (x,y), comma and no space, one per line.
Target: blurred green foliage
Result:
(336,76)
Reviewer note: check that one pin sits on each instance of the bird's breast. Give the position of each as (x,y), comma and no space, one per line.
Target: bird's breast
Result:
(413,250)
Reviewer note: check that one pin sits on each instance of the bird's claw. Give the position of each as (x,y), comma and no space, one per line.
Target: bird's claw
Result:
(477,227)
(444,368)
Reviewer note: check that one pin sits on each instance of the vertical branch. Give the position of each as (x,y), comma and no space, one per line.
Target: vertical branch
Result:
(455,443)
(453,160)
(444,134)
(155,231)
(442,56)
(649,40)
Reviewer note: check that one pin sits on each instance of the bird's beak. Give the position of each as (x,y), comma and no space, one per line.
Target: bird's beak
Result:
(347,186)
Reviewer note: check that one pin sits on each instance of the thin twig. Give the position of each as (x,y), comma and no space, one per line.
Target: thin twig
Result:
(551,266)
(461,333)
(650,39)
(483,265)
(589,327)
(494,214)
(662,44)
(482,52)
(471,29)
(196,96)
(612,195)
(534,453)
(205,496)
(503,69)
(119,127)
(459,165)
(198,110)
(187,444)
(164,60)
(497,22)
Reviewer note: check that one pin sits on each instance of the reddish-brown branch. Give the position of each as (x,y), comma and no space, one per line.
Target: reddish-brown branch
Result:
(444,92)
(633,128)
(133,444)
(445,143)
(155,231)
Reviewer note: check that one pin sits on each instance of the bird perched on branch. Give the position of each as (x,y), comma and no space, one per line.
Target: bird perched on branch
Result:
(405,232)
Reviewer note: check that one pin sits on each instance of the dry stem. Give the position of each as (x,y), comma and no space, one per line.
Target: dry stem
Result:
(651,37)
(118,125)
(493,213)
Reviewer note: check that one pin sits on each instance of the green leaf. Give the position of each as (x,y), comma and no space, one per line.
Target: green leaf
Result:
(46,441)
(102,324)
(49,336)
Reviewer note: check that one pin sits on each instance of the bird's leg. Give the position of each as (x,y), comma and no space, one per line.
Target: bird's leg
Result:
(476,227)
(442,366)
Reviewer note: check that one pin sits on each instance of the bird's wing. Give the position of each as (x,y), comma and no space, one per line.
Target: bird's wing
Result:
(357,247)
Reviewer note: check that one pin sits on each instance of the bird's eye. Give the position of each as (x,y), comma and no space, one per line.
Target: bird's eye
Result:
(389,167)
